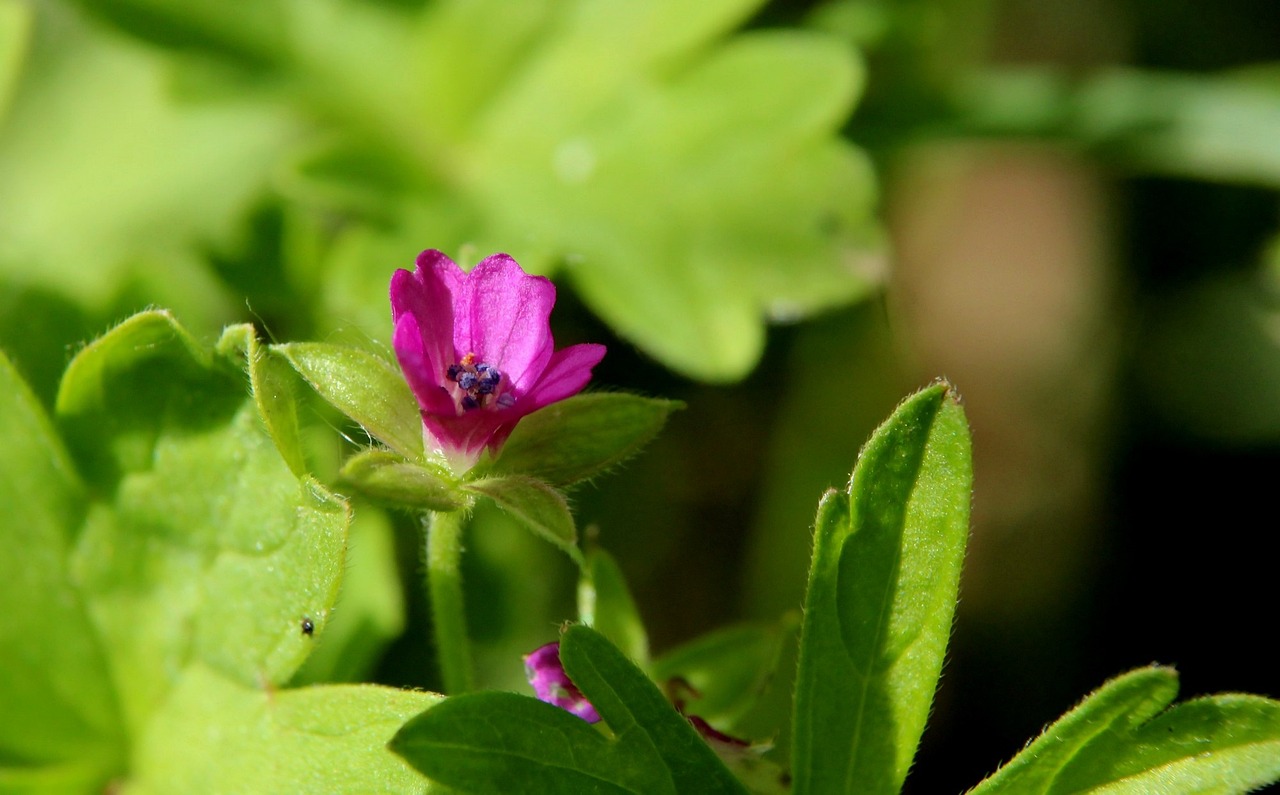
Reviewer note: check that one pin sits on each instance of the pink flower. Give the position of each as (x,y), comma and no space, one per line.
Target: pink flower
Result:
(551,684)
(477,351)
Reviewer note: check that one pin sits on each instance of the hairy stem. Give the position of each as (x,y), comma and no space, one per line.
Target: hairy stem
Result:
(444,588)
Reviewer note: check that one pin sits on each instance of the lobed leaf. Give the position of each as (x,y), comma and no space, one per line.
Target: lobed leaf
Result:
(178,572)
(882,592)
(61,716)
(217,735)
(372,612)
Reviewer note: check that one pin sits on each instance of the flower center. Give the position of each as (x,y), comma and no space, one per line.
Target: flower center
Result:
(478,382)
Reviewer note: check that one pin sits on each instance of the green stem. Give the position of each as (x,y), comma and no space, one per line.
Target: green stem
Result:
(444,587)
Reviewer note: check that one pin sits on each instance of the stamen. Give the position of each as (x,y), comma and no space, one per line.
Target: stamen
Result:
(477,381)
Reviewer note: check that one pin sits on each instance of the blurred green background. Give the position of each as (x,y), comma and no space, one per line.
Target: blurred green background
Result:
(787,215)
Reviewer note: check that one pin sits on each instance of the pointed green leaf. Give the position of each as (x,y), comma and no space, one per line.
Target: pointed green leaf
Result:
(606,605)
(390,479)
(503,742)
(637,711)
(365,387)
(538,506)
(583,436)
(882,592)
(60,713)
(1122,739)
(1114,709)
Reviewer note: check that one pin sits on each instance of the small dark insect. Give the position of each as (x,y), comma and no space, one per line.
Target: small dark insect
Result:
(308,626)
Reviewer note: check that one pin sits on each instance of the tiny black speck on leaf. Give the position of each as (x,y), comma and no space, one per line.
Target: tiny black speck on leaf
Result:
(308,627)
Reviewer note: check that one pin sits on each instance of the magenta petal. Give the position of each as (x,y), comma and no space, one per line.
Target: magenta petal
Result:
(551,684)
(407,341)
(464,436)
(567,373)
(429,295)
(502,315)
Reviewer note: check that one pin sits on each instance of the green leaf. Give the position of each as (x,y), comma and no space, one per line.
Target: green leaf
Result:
(638,712)
(388,478)
(503,742)
(882,592)
(223,572)
(61,719)
(606,605)
(365,387)
(313,739)
(272,383)
(371,612)
(727,669)
(500,742)
(146,182)
(195,568)
(1124,739)
(770,212)
(580,437)
(538,506)
(766,211)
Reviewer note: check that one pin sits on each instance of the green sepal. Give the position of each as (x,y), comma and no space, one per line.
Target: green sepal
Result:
(605,604)
(582,436)
(536,505)
(882,592)
(365,387)
(389,478)
(1124,739)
